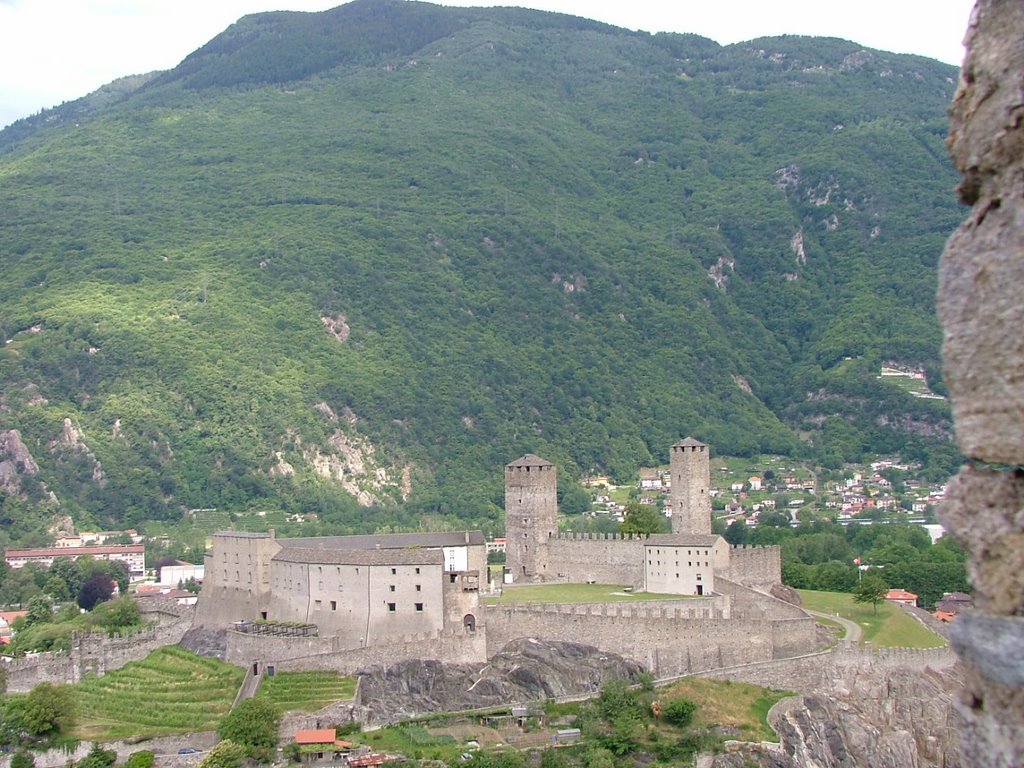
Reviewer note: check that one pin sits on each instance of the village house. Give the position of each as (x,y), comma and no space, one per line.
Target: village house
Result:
(901,596)
(132,555)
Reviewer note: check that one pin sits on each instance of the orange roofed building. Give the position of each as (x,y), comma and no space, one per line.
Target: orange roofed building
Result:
(901,596)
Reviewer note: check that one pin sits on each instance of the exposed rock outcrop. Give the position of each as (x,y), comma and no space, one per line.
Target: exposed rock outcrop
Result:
(983,358)
(889,718)
(525,670)
(15,461)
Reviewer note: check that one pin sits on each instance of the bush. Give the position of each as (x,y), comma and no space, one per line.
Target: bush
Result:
(141,759)
(23,759)
(679,712)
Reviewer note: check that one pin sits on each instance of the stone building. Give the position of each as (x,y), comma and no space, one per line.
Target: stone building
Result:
(684,562)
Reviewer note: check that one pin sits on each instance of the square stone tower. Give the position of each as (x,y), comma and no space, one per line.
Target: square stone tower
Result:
(531,516)
(690,467)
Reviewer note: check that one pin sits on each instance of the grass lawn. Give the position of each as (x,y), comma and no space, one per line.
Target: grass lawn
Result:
(170,691)
(729,704)
(572,593)
(889,626)
(306,691)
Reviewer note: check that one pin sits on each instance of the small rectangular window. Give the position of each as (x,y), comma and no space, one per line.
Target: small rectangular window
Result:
(391,588)
(317,604)
(334,605)
(394,571)
(419,588)
(417,571)
(391,607)
(419,607)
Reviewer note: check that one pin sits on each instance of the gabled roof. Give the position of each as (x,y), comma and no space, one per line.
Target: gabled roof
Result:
(315,736)
(900,594)
(530,460)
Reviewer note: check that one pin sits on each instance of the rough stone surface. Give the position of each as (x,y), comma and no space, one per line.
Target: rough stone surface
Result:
(862,716)
(983,352)
(982,268)
(786,594)
(985,509)
(525,671)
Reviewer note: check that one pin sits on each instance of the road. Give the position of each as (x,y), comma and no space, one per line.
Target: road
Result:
(853,632)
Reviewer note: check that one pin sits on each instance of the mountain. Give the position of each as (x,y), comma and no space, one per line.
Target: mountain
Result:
(353,262)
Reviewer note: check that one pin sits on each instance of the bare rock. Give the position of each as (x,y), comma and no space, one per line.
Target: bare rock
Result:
(981,269)
(15,461)
(526,670)
(786,595)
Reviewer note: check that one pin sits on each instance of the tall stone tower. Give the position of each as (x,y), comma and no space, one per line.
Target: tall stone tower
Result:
(690,466)
(531,516)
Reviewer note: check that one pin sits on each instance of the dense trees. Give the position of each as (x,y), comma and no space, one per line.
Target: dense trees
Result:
(688,245)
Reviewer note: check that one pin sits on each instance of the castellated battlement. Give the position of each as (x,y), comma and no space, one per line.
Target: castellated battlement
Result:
(573,536)
(708,608)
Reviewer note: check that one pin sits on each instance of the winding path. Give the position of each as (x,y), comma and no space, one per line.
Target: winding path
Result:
(853,631)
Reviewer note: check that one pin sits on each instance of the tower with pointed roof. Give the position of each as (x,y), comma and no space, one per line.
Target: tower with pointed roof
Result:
(690,467)
(531,517)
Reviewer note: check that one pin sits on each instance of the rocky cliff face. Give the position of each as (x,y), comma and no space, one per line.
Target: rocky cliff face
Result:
(525,670)
(893,718)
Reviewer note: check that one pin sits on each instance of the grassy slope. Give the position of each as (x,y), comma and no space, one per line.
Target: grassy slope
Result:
(888,626)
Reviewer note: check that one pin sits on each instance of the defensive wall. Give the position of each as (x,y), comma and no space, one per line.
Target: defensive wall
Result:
(809,672)
(669,640)
(293,654)
(95,653)
(164,748)
(754,566)
(604,558)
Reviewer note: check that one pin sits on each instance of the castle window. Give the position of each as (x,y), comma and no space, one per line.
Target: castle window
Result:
(320,586)
(419,607)
(417,571)
(236,576)
(677,575)
(419,588)
(698,577)
(525,535)
(526,520)
(334,605)
(391,607)
(339,570)
(451,578)
(357,571)
(394,571)
(689,564)
(391,588)
(316,604)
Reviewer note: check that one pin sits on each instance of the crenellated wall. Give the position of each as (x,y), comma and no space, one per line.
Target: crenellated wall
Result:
(670,639)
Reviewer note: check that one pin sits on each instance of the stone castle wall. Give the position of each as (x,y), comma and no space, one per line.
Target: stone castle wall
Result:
(754,566)
(93,653)
(601,558)
(809,672)
(291,654)
(668,640)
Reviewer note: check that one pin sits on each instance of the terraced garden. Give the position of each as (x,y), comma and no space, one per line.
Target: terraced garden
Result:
(170,691)
(306,691)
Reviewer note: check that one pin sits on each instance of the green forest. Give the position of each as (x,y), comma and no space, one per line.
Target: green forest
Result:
(349,264)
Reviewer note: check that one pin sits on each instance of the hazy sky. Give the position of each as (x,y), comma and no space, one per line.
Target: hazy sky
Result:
(53,51)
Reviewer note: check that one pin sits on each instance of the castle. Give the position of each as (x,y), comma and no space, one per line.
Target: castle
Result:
(346,602)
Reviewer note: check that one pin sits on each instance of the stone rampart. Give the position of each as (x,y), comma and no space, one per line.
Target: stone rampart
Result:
(601,558)
(754,566)
(809,672)
(164,748)
(750,604)
(668,641)
(93,653)
(293,654)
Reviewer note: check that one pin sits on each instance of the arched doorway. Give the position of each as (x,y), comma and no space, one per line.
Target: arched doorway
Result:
(469,622)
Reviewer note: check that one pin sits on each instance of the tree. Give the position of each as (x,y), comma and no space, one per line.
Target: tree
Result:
(226,754)
(98,758)
(46,711)
(40,611)
(870,589)
(641,519)
(96,589)
(23,759)
(252,725)
(737,533)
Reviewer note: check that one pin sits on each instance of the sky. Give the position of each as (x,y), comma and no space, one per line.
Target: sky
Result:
(53,51)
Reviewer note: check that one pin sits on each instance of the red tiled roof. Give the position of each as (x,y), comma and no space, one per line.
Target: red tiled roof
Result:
(315,736)
(944,615)
(900,594)
(10,616)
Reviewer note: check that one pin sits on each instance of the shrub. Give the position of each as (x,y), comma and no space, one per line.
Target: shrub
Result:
(679,712)
(141,759)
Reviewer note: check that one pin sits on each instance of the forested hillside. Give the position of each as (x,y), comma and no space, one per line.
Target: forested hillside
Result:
(353,262)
